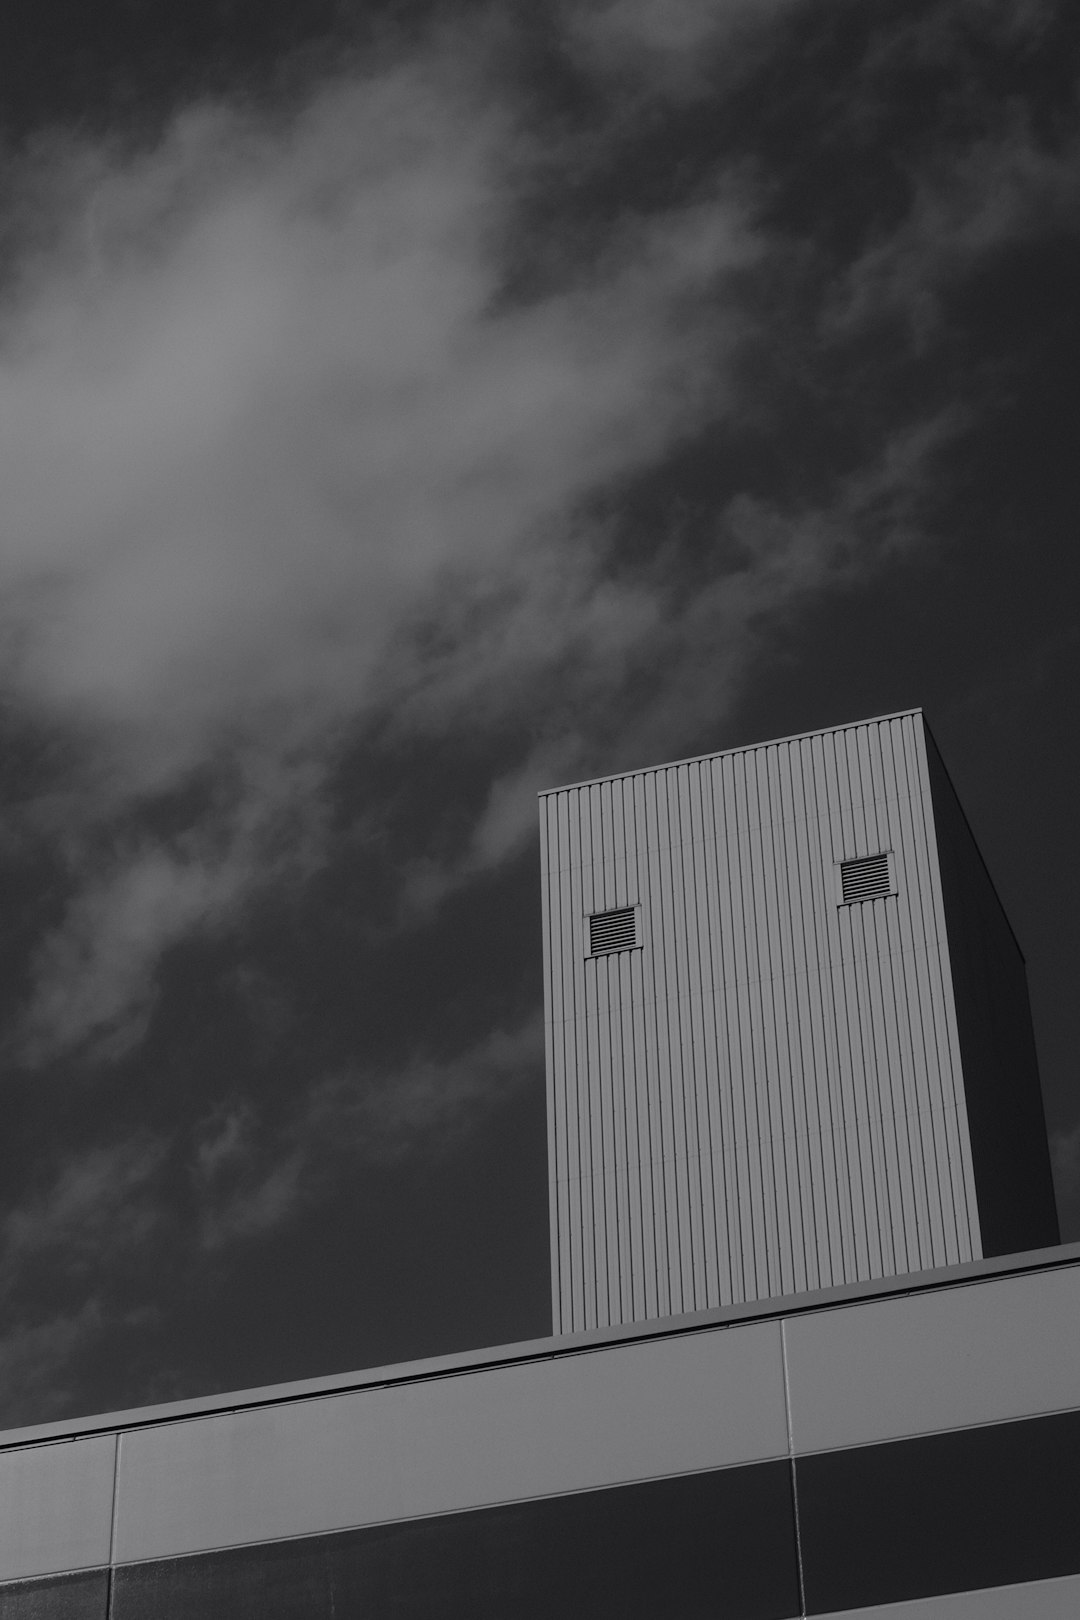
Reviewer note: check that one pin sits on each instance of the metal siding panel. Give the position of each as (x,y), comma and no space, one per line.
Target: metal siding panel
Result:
(602,1090)
(777,1188)
(691,1053)
(869,1110)
(921,1034)
(886,1079)
(848,1184)
(555,1079)
(894,1100)
(913,1364)
(792,1251)
(585,1313)
(738,1225)
(828,1091)
(604,854)
(689,1180)
(785,863)
(757,1282)
(674,968)
(850,1140)
(562,1042)
(595,970)
(793,965)
(934,1012)
(765,1097)
(624,1137)
(970,1244)
(655,1031)
(705,1043)
(808,1033)
(670,1053)
(56,1507)
(917,1227)
(629,1412)
(644,1066)
(912,1197)
(561,1076)
(729,1212)
(911,971)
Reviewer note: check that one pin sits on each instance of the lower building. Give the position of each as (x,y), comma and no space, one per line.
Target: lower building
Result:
(911,1444)
(792,1092)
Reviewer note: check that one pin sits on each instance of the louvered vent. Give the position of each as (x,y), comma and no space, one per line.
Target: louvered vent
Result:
(865,879)
(613,931)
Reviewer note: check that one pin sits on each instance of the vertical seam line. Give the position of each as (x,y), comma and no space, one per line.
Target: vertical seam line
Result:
(112,1527)
(791,1463)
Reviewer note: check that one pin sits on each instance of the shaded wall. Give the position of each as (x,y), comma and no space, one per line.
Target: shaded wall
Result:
(1007,1125)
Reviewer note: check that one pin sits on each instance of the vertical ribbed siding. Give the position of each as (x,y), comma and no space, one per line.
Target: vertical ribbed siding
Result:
(766,1096)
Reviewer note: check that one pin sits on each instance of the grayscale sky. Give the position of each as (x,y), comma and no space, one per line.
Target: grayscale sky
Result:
(407,406)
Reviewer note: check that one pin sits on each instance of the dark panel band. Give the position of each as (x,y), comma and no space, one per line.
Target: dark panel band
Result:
(718,1545)
(943,1513)
(83,1596)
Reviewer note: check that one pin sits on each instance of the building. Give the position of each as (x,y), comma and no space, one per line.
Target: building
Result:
(816,1356)
(789,1040)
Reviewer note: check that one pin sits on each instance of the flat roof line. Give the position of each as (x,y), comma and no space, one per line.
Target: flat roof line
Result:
(720,753)
(462,1363)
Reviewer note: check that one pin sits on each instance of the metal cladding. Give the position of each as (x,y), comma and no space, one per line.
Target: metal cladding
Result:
(757,1088)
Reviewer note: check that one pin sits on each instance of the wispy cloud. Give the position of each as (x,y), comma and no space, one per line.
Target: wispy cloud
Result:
(264,406)
(97,1204)
(967,207)
(251,1175)
(64,1252)
(37,1361)
(71,1252)
(289,459)
(672,45)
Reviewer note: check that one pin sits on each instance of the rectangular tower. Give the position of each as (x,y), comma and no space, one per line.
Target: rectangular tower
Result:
(787,1027)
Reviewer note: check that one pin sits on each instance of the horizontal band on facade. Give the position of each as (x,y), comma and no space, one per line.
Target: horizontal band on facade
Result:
(907,1519)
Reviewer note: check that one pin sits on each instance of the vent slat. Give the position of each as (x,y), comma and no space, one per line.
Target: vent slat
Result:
(864,879)
(611,931)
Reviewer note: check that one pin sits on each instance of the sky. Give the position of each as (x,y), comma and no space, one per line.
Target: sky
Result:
(405,407)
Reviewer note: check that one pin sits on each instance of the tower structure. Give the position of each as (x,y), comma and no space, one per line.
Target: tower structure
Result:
(788,1036)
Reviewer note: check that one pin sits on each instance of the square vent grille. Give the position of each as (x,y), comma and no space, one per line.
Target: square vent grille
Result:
(611,931)
(865,879)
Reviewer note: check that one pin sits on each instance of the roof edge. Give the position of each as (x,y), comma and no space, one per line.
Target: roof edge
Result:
(461,1363)
(721,753)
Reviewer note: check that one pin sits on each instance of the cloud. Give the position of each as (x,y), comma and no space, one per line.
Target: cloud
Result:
(264,405)
(427,1100)
(251,1174)
(99,1204)
(684,646)
(94,971)
(669,44)
(37,1360)
(290,460)
(97,1215)
(967,206)
(245,1182)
